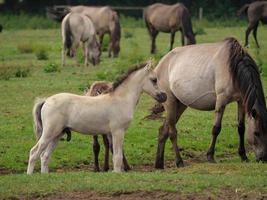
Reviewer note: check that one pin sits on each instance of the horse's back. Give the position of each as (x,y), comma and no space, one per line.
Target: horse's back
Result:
(164,17)
(196,74)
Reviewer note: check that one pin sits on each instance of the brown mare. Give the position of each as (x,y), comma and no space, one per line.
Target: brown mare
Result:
(169,19)
(106,21)
(98,88)
(208,77)
(256,12)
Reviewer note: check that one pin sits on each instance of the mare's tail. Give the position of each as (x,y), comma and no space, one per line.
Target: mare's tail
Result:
(242,10)
(68,37)
(36,113)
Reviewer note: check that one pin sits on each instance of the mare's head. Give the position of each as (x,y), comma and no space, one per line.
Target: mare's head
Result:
(150,85)
(257,132)
(94,51)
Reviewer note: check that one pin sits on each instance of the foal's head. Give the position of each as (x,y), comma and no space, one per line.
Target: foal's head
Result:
(151,85)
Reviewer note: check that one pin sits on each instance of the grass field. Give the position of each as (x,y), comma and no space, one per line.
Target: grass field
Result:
(24,75)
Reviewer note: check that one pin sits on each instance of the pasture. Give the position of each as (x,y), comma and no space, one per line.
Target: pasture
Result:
(30,67)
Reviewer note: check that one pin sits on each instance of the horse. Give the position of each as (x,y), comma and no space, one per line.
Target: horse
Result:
(98,88)
(168,19)
(109,113)
(1,28)
(256,12)
(78,28)
(106,21)
(208,77)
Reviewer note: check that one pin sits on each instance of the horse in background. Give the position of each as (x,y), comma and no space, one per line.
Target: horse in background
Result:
(256,12)
(169,19)
(106,21)
(78,28)
(110,113)
(208,77)
(98,88)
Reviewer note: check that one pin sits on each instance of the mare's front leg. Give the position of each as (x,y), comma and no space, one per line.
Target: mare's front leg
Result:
(174,110)
(110,46)
(219,110)
(96,149)
(117,140)
(241,132)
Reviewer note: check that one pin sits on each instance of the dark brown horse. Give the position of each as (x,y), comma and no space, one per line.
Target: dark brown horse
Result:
(98,88)
(169,19)
(256,12)
(208,77)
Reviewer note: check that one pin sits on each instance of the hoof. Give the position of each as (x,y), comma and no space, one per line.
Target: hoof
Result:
(179,163)
(96,169)
(210,159)
(244,159)
(159,166)
(105,169)
(127,168)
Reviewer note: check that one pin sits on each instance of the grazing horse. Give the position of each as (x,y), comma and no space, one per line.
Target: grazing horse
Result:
(256,12)
(78,28)
(168,19)
(98,88)
(106,21)
(208,77)
(109,113)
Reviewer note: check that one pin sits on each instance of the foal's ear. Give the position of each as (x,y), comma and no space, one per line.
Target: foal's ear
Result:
(149,64)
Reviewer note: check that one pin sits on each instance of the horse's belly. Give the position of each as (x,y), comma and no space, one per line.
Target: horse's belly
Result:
(197,92)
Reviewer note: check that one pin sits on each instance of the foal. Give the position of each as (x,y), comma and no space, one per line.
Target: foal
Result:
(98,88)
(109,113)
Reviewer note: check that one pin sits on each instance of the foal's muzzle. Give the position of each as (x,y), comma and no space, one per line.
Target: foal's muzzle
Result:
(161,97)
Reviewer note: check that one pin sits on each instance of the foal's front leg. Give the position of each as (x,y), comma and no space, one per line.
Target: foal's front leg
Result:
(117,140)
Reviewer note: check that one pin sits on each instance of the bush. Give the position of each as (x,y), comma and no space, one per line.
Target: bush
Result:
(52,67)
(25,48)
(7,72)
(22,72)
(41,54)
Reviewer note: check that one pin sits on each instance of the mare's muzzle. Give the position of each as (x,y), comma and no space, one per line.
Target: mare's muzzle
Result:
(161,97)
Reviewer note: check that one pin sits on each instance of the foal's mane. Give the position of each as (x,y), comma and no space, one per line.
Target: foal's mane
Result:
(246,78)
(124,76)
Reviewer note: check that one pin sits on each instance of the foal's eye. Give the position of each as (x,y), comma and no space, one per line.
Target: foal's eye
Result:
(154,80)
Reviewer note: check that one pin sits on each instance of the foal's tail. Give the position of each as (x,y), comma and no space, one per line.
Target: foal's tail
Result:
(242,10)
(36,113)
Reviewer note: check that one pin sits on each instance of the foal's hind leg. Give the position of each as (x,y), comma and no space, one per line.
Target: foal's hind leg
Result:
(96,149)
(241,132)
(219,110)
(46,155)
(174,109)
(35,153)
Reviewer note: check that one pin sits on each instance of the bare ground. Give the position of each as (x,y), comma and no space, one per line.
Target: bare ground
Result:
(141,195)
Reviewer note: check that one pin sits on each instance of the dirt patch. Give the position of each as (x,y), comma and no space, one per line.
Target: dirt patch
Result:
(141,195)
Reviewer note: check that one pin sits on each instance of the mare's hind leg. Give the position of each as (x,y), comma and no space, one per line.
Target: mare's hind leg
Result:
(96,149)
(241,132)
(174,109)
(46,155)
(251,26)
(255,34)
(172,39)
(110,46)
(182,37)
(221,101)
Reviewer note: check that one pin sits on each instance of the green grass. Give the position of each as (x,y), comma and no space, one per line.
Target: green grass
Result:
(17,94)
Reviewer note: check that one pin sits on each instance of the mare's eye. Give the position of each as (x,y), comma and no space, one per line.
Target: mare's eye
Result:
(257,133)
